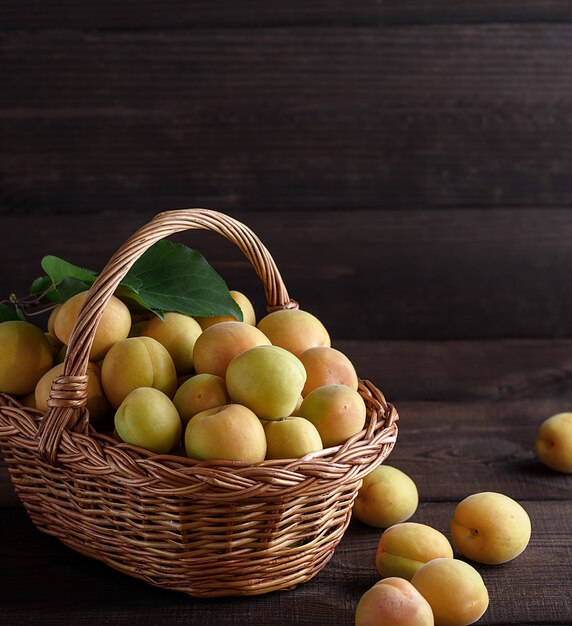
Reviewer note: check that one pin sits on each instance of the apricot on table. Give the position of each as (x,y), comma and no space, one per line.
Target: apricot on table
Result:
(454,589)
(387,496)
(96,403)
(291,438)
(137,362)
(403,548)
(337,411)
(26,355)
(491,528)
(178,333)
(248,313)
(147,418)
(266,379)
(393,602)
(327,366)
(198,393)
(553,442)
(114,325)
(294,330)
(231,432)
(217,345)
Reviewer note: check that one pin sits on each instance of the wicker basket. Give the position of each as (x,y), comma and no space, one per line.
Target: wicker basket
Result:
(204,528)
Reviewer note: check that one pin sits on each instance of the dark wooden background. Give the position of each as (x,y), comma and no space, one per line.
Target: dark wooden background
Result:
(438,133)
(408,164)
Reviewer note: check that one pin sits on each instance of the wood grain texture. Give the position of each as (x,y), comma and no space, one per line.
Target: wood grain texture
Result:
(381,274)
(311,117)
(175,14)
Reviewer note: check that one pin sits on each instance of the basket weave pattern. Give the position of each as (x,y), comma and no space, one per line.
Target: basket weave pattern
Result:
(205,528)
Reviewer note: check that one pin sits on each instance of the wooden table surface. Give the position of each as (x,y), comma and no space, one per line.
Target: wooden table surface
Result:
(469,411)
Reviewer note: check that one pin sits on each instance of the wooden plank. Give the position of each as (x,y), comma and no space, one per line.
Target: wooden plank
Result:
(520,592)
(315,118)
(381,274)
(133,14)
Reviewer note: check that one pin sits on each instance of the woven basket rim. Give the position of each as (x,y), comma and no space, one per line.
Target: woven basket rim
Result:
(98,453)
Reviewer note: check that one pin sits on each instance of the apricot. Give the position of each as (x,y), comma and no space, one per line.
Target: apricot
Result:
(266,379)
(387,496)
(403,548)
(96,403)
(553,443)
(454,590)
(114,325)
(393,602)
(55,344)
(137,328)
(147,418)
(137,362)
(231,432)
(198,393)
(294,330)
(26,357)
(219,344)
(52,319)
(337,411)
(178,333)
(327,366)
(491,528)
(291,438)
(248,313)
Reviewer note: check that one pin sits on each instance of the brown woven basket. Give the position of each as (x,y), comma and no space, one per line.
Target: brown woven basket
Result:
(205,528)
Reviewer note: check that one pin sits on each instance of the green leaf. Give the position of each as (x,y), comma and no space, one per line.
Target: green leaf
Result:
(63,280)
(173,277)
(167,277)
(44,287)
(9,313)
(58,269)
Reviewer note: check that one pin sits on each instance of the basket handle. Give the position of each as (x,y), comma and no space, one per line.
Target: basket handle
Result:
(68,394)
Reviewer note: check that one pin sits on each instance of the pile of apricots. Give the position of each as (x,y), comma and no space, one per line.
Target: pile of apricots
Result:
(213,388)
(221,389)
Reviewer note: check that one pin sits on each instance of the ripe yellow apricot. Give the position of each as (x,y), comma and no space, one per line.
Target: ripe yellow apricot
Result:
(454,590)
(327,366)
(491,528)
(403,548)
(97,404)
(393,602)
(266,379)
(52,319)
(248,313)
(26,355)
(291,438)
(55,344)
(178,333)
(231,432)
(294,330)
(553,443)
(147,418)
(219,344)
(199,393)
(387,496)
(337,411)
(114,325)
(137,362)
